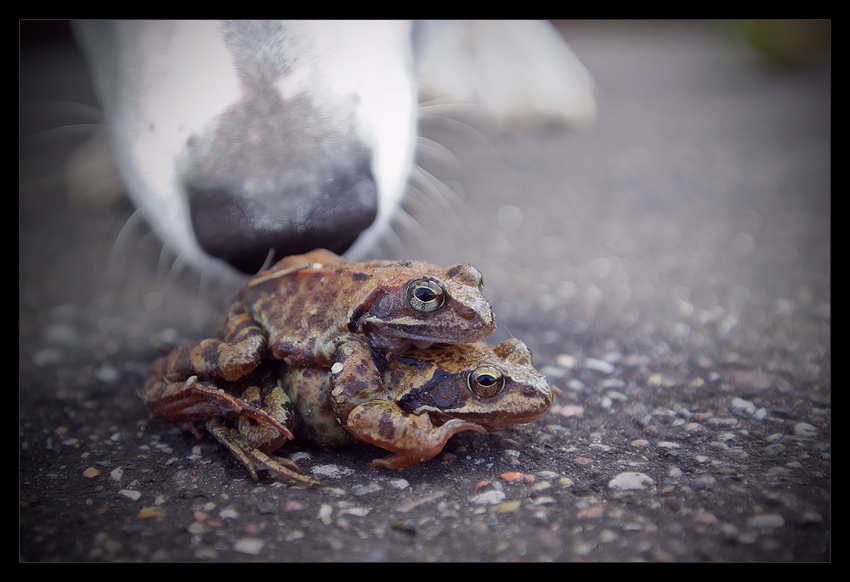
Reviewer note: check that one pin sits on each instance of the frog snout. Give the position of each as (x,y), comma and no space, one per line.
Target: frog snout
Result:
(466,312)
(541,392)
(470,313)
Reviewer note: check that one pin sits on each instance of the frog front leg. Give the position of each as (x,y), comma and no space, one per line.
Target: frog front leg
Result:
(355,378)
(413,438)
(182,385)
(235,355)
(361,403)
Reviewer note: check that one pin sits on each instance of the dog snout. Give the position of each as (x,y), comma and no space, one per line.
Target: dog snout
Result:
(287,218)
(261,182)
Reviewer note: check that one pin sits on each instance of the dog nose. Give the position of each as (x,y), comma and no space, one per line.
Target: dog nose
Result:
(242,224)
(278,179)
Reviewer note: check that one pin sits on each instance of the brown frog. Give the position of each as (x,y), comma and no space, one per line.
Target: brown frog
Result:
(416,403)
(305,307)
(308,305)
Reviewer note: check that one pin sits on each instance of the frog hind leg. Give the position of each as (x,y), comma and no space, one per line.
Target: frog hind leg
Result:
(413,438)
(268,395)
(194,400)
(254,459)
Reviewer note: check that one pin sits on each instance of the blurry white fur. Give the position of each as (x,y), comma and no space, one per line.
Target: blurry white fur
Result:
(234,138)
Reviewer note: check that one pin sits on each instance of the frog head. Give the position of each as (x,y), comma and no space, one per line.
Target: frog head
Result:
(491,387)
(414,305)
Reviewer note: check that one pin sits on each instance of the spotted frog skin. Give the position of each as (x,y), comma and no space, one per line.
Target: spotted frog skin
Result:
(308,305)
(411,406)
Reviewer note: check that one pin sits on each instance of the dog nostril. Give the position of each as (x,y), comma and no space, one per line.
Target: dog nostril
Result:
(241,227)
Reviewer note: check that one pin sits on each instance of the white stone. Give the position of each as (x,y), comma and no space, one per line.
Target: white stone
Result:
(631,480)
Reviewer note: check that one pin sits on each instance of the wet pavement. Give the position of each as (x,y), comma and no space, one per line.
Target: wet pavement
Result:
(669,268)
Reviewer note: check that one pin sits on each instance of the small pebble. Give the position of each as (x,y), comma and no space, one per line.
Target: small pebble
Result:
(706,518)
(805,429)
(325,512)
(150,511)
(106,373)
(569,410)
(631,480)
(490,497)
(507,507)
(251,546)
(512,476)
(366,489)
(598,365)
(330,471)
(768,520)
(591,512)
(668,445)
(566,361)
(743,407)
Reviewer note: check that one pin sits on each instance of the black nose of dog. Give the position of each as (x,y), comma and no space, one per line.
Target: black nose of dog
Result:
(291,216)
(277,177)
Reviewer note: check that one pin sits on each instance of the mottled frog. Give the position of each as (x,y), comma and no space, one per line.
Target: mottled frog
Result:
(303,309)
(307,304)
(411,407)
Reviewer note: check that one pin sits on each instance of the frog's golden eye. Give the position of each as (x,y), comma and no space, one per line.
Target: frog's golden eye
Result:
(425,295)
(486,381)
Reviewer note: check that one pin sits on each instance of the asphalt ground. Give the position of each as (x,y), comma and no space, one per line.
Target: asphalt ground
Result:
(669,268)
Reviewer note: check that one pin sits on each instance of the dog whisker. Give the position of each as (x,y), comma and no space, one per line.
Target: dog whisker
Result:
(392,244)
(70,130)
(117,261)
(411,226)
(432,148)
(445,198)
(69,108)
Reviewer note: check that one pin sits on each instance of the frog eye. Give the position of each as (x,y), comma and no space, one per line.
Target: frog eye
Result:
(486,381)
(425,295)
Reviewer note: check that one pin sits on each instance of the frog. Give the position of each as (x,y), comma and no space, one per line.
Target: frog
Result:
(305,307)
(308,304)
(422,398)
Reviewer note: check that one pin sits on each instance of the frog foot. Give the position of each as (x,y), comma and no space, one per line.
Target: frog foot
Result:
(413,438)
(254,459)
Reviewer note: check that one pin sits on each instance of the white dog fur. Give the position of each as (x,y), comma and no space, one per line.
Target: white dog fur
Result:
(234,138)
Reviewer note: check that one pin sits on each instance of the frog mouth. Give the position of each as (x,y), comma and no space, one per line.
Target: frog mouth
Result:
(424,336)
(487,420)
(399,338)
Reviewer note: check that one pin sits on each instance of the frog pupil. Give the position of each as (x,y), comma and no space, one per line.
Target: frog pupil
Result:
(486,380)
(425,294)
